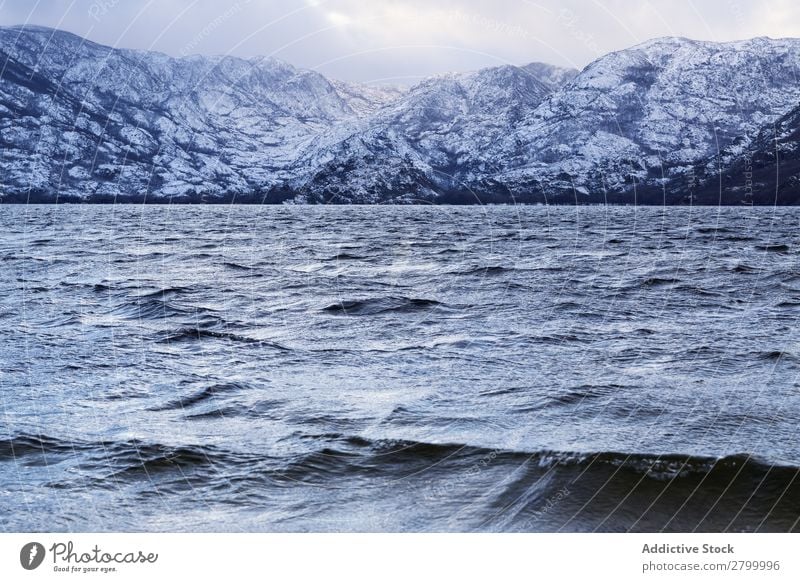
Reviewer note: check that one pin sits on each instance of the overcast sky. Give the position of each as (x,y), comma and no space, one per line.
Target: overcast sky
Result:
(403,40)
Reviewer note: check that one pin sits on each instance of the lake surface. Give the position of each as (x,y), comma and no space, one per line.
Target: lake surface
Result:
(278,368)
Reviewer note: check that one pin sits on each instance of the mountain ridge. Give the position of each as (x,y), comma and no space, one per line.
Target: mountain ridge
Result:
(82,122)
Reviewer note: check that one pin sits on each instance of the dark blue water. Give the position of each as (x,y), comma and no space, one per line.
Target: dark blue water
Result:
(399,369)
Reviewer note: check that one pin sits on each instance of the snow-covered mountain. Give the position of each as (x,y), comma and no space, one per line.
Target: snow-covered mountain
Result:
(432,140)
(639,118)
(80,121)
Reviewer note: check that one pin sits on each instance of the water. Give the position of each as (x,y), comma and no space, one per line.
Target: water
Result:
(399,369)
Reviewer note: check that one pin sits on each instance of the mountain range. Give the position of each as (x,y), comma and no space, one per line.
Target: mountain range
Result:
(669,121)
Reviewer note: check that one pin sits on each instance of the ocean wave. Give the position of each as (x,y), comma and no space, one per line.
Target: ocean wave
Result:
(118,457)
(344,256)
(510,489)
(236,266)
(380,305)
(486,271)
(164,293)
(650,465)
(776,248)
(515,490)
(659,281)
(23,445)
(199,333)
(202,395)
(148,308)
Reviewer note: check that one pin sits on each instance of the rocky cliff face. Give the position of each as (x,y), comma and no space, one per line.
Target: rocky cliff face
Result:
(654,123)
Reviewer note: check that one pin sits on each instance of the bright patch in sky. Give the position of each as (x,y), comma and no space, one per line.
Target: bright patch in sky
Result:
(338,19)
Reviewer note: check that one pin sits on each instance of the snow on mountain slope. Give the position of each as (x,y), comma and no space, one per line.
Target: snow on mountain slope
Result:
(365,100)
(626,126)
(435,137)
(81,121)
(554,77)
(645,115)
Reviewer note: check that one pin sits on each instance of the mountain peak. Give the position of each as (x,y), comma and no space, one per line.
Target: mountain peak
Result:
(29,30)
(666,41)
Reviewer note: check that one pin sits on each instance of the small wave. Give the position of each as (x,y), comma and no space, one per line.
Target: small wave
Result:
(24,444)
(207,393)
(185,334)
(148,308)
(356,455)
(154,458)
(659,281)
(220,412)
(699,291)
(382,305)
(62,321)
(773,355)
(134,459)
(742,268)
(558,338)
(586,392)
(124,458)
(773,248)
(727,233)
(485,271)
(133,453)
(236,267)
(163,293)
(568,305)
(347,257)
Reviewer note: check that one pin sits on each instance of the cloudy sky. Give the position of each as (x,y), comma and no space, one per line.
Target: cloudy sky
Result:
(402,40)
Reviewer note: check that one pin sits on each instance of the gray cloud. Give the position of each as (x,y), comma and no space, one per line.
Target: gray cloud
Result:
(402,40)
